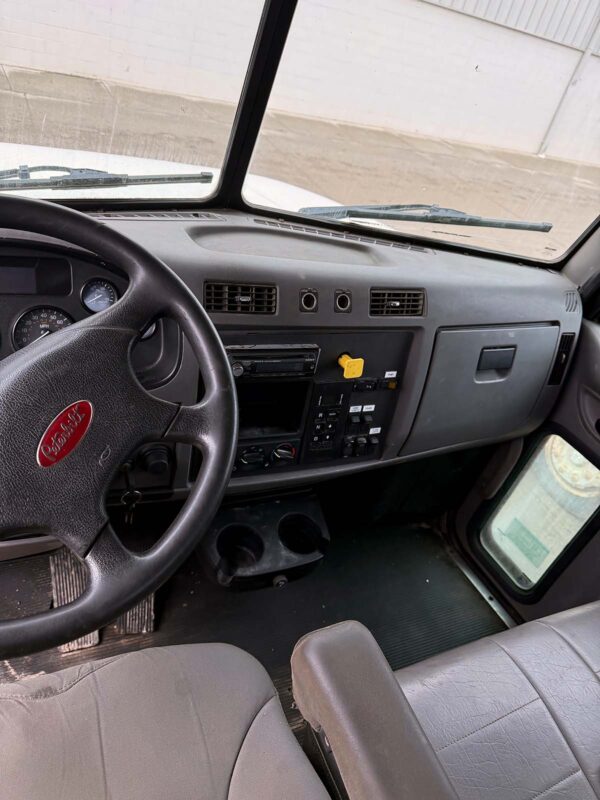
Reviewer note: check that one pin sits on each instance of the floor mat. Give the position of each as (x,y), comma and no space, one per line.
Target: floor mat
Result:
(398,581)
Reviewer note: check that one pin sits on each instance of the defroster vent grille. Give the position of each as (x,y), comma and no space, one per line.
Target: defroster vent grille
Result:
(159,215)
(240,298)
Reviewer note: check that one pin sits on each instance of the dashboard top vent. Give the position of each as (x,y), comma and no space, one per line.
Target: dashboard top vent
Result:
(240,298)
(397,303)
(197,216)
(343,235)
(571,301)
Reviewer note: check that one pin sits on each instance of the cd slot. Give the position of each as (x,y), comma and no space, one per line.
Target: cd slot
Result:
(294,360)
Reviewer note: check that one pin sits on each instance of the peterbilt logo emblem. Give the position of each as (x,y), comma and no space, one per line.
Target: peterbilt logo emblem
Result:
(64,433)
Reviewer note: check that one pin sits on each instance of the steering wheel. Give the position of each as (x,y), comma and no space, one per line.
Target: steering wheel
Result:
(72,411)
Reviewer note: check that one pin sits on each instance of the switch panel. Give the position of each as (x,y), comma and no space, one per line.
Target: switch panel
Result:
(349,421)
(340,410)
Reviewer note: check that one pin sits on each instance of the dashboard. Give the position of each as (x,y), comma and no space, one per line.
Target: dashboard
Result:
(348,352)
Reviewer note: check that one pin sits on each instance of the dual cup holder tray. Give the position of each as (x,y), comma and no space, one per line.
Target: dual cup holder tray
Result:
(265,542)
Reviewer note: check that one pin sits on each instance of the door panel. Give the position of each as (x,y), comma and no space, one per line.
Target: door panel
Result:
(538,502)
(578,411)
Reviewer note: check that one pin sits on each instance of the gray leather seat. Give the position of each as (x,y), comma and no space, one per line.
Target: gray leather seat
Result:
(194,722)
(515,716)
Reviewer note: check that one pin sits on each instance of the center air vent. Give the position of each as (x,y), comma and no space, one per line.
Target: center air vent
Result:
(397,302)
(240,298)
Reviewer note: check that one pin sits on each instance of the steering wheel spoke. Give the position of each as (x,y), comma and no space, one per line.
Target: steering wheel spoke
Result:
(194,424)
(109,563)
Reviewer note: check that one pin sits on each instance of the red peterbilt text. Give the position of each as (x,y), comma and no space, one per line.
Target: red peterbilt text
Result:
(64,433)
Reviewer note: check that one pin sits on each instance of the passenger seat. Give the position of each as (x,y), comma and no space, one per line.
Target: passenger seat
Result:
(515,716)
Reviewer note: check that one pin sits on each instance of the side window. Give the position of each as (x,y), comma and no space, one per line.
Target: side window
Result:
(557,492)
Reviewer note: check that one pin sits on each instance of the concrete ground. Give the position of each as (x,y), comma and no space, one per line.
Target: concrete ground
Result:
(347,162)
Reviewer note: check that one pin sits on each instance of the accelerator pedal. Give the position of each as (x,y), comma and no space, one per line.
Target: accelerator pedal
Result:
(139,619)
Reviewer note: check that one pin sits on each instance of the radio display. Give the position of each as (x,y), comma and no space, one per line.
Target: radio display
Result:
(281,365)
(29,275)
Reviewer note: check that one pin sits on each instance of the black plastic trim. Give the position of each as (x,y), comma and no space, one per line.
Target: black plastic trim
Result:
(262,69)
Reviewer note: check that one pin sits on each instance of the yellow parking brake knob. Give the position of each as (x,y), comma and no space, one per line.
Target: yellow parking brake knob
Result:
(353,367)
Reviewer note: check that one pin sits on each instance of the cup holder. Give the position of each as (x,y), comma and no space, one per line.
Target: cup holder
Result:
(240,547)
(300,534)
(257,543)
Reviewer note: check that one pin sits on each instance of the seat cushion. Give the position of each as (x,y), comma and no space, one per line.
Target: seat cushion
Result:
(516,716)
(193,722)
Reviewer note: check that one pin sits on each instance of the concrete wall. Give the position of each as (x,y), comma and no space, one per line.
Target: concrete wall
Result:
(576,131)
(428,70)
(199,48)
(401,64)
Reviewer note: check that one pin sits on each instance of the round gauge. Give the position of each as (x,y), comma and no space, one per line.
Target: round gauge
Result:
(38,322)
(98,295)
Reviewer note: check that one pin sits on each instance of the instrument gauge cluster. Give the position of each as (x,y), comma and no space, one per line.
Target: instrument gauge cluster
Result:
(45,292)
(98,294)
(37,323)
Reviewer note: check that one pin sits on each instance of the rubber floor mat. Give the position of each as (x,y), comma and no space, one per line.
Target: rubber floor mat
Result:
(398,581)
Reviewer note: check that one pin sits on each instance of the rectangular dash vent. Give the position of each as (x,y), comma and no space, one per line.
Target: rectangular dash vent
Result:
(397,303)
(240,298)
(565,346)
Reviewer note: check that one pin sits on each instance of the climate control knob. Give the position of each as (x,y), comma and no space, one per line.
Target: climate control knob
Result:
(253,456)
(284,453)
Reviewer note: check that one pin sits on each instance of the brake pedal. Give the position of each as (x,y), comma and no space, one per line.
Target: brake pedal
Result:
(67,574)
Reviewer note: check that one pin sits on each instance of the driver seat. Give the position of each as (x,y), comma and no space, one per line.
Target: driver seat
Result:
(190,722)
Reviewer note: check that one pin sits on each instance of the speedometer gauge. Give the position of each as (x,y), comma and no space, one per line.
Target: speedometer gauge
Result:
(39,322)
(98,295)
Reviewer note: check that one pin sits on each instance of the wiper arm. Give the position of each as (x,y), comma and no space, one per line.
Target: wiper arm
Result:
(81,177)
(422,213)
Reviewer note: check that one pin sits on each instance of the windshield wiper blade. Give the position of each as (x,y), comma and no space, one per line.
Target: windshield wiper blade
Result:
(422,213)
(81,177)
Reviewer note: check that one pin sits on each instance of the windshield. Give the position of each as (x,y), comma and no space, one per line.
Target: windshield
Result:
(123,88)
(469,122)
(491,109)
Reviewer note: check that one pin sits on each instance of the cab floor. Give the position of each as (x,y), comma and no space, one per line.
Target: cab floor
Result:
(397,580)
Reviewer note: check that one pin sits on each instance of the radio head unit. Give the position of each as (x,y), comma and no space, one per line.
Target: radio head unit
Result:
(271,361)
